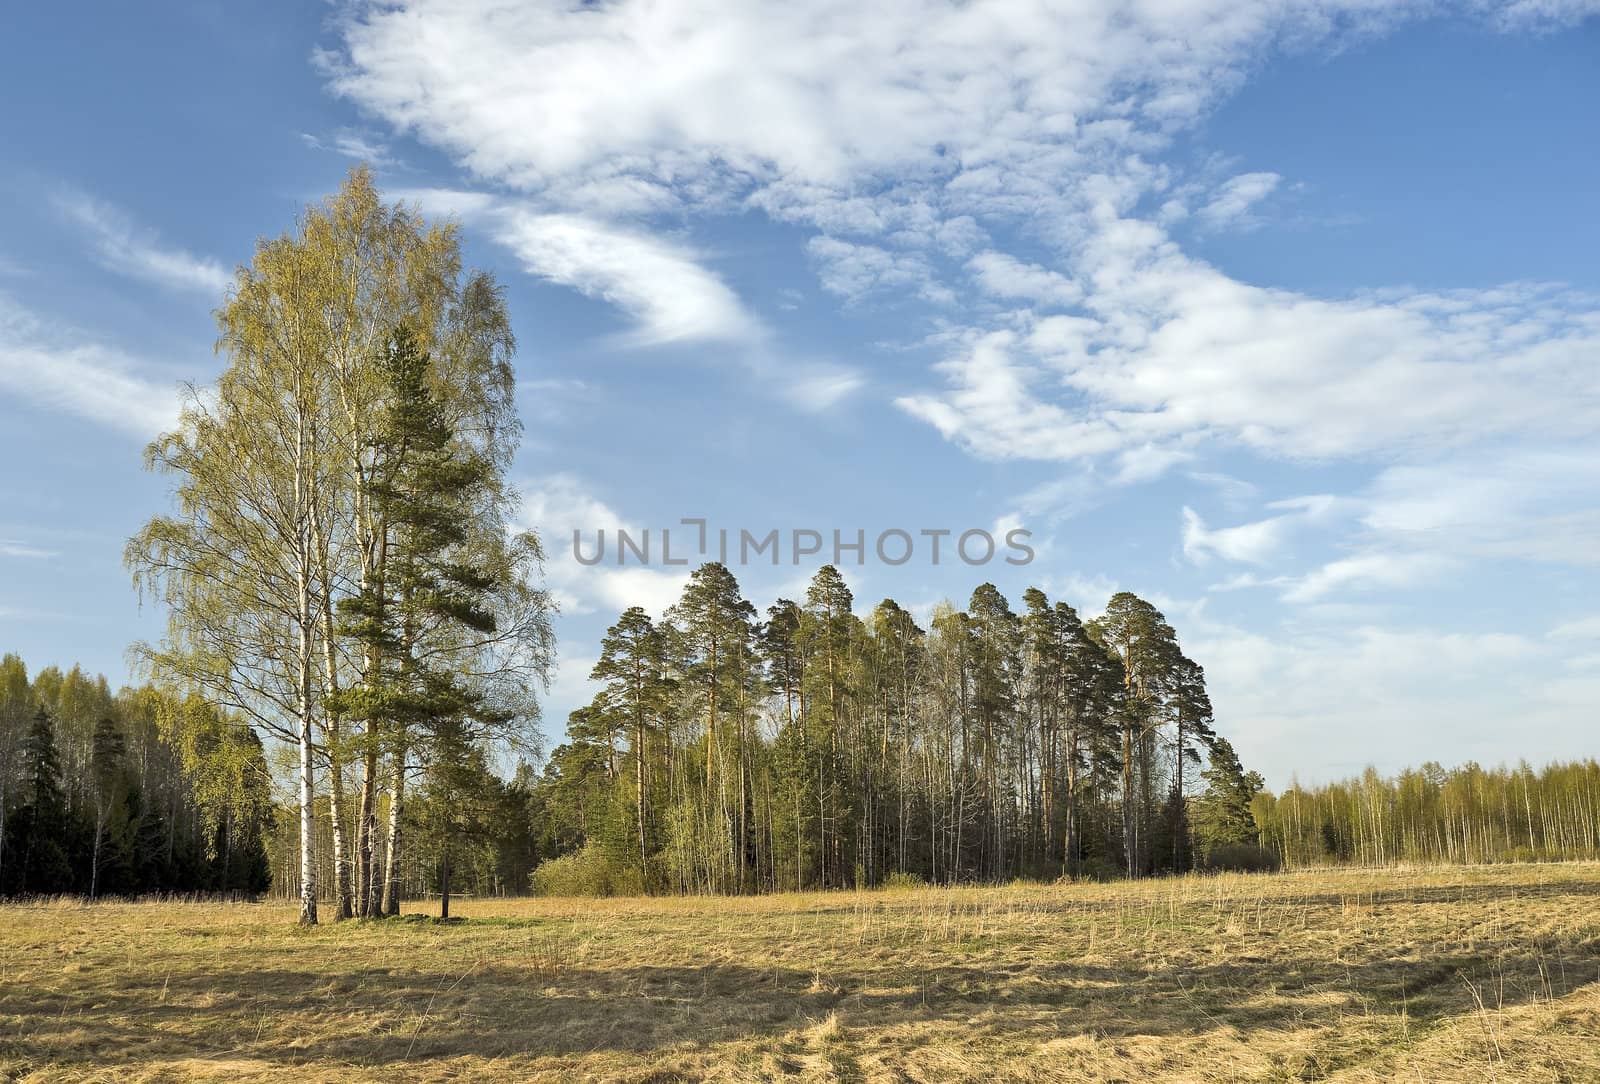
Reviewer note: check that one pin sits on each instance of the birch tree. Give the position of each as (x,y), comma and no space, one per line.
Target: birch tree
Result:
(277,518)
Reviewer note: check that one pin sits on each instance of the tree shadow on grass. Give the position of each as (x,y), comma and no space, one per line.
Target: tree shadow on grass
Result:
(516,1008)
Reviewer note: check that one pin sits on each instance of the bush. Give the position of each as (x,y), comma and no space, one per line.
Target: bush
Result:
(1100,870)
(903,882)
(588,872)
(1242,858)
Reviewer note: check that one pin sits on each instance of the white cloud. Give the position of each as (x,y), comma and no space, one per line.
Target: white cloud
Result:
(914,127)
(1176,353)
(352,143)
(856,272)
(1237,197)
(669,295)
(1262,541)
(819,388)
(1537,14)
(1533,502)
(11,547)
(1586,628)
(1368,571)
(560,504)
(720,97)
(87,379)
(1003,276)
(570,686)
(1251,543)
(1233,490)
(122,247)
(1327,703)
(663,287)
(993,411)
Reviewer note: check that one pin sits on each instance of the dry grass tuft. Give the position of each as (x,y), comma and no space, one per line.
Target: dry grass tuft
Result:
(1478,973)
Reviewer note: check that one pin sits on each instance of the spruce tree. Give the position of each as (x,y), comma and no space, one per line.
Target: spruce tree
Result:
(41,832)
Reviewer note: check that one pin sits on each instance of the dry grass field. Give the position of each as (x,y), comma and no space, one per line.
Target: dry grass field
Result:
(1471,974)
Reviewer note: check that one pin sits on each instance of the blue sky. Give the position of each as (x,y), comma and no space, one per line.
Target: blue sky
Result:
(1282,314)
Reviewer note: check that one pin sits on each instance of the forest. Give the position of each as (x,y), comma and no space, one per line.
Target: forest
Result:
(726,754)
(139,792)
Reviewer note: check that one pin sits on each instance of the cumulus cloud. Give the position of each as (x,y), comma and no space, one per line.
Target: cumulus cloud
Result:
(125,248)
(558,505)
(1170,350)
(858,271)
(1003,276)
(721,96)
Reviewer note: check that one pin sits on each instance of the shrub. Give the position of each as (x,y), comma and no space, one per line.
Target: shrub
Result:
(1100,870)
(903,882)
(588,872)
(1242,858)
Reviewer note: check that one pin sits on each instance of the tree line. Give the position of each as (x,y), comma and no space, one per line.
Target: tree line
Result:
(124,794)
(1434,814)
(813,748)
(340,570)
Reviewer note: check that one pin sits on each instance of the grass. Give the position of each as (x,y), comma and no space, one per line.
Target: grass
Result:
(1477,974)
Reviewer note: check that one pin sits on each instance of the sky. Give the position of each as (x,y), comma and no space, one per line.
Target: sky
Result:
(1282,314)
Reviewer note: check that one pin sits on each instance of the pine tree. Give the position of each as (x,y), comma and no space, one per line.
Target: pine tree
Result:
(1139,636)
(996,639)
(452,629)
(824,639)
(632,663)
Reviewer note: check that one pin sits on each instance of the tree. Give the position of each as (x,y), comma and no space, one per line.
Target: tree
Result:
(824,638)
(40,830)
(453,633)
(1139,636)
(16,702)
(632,664)
(996,639)
(459,799)
(1190,706)
(280,512)
(1223,813)
(107,771)
(714,619)
(899,644)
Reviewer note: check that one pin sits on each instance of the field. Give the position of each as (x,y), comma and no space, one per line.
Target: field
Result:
(1478,973)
